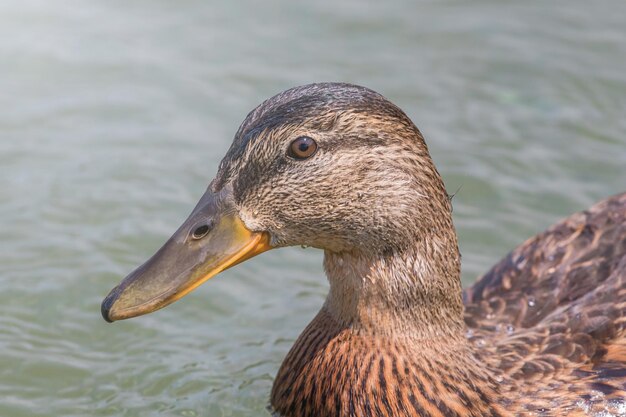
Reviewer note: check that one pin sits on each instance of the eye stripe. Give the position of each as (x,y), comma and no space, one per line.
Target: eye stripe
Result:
(302,148)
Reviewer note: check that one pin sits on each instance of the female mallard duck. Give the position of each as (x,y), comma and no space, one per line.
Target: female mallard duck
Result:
(340,168)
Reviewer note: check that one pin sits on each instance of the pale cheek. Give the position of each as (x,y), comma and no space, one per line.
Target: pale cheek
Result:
(251,219)
(258,220)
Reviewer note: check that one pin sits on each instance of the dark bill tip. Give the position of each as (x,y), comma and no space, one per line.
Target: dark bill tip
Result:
(107,303)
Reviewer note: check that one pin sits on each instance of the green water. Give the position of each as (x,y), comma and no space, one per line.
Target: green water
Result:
(114,116)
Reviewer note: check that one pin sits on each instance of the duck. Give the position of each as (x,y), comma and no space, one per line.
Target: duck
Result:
(340,168)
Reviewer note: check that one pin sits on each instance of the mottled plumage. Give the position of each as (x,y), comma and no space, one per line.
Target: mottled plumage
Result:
(547,337)
(541,334)
(551,316)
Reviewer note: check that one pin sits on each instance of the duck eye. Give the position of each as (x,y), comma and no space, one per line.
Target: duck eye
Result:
(302,147)
(200,231)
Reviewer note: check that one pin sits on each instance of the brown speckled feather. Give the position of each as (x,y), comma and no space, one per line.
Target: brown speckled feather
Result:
(547,323)
(552,316)
(337,372)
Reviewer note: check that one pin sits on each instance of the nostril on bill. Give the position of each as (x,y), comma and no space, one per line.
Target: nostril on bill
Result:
(201,231)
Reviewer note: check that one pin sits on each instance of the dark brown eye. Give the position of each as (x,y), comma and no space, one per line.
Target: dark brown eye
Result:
(302,148)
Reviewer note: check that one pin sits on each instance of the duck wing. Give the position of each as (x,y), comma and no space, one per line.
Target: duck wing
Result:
(552,313)
(580,256)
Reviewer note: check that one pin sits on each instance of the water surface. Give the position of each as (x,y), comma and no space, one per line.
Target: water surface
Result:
(114,116)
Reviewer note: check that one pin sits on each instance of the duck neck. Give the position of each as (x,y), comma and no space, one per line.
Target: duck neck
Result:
(389,341)
(415,292)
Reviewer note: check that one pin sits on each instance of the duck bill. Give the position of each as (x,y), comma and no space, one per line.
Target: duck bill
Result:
(211,240)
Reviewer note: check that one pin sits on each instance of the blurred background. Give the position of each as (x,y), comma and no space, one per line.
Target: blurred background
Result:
(114,116)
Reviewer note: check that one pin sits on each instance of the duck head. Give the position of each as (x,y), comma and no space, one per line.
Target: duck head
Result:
(332,166)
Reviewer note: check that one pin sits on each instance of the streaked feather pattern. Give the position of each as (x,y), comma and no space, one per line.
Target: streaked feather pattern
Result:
(547,337)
